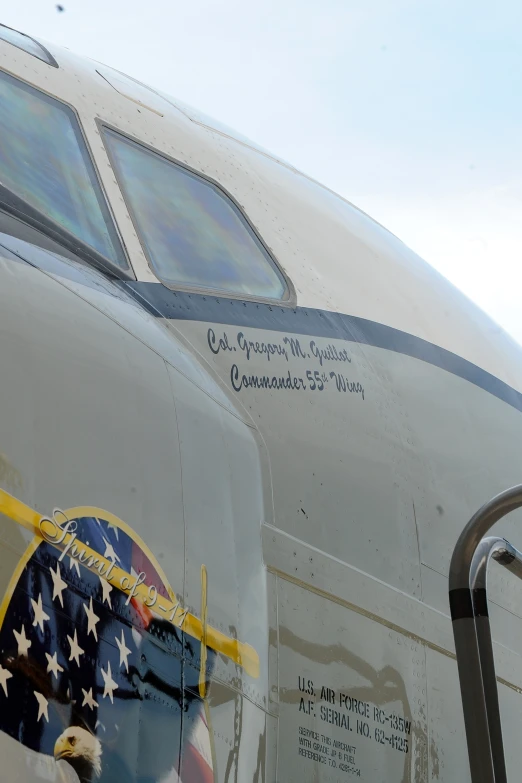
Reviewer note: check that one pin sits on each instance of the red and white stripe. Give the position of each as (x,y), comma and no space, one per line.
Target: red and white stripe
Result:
(196,764)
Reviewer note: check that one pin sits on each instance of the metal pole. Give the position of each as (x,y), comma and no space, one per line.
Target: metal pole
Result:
(469,650)
(486,549)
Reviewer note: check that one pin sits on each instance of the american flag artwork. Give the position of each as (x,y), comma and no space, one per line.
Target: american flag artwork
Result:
(92,677)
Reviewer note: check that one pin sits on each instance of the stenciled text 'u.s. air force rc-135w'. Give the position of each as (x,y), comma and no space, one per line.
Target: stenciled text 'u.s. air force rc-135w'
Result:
(241,429)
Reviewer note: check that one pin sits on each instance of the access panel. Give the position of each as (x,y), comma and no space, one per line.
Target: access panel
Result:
(352,695)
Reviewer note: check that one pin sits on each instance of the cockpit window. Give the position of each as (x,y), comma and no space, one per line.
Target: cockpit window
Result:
(27,44)
(45,161)
(193,233)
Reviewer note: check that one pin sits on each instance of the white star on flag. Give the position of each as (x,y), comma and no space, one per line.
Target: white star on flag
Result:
(92,619)
(53,665)
(22,642)
(39,615)
(74,564)
(124,651)
(88,699)
(5,675)
(115,528)
(110,685)
(58,584)
(106,590)
(42,706)
(109,551)
(76,650)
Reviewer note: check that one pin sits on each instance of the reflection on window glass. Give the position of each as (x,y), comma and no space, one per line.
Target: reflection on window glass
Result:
(28,45)
(44,160)
(193,234)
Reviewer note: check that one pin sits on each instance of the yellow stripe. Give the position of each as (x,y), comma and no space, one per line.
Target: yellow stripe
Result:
(203,655)
(240,653)
(203,666)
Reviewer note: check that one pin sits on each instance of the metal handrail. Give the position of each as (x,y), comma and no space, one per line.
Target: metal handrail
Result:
(505,554)
(472,633)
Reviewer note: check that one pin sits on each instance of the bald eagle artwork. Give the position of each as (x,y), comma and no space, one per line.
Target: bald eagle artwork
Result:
(82,750)
(94,679)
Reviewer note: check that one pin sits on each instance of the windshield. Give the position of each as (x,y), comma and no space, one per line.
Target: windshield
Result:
(44,159)
(194,235)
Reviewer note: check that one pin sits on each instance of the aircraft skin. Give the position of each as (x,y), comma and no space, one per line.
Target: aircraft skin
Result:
(289,476)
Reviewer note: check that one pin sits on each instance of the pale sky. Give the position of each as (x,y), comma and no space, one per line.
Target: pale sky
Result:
(411,110)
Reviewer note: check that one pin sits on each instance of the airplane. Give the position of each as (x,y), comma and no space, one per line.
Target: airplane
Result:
(242,427)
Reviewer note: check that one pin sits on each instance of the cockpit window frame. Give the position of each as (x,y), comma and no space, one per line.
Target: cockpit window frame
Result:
(290,297)
(102,263)
(48,60)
